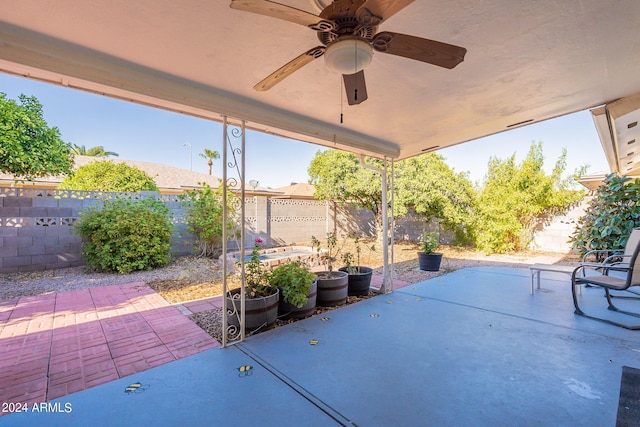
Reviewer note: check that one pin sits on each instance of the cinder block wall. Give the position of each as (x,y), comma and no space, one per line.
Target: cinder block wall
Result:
(37,233)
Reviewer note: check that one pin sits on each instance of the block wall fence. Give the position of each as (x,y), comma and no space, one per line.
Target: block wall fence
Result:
(37,233)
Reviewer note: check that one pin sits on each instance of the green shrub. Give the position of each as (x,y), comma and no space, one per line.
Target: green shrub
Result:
(610,216)
(517,199)
(106,175)
(126,235)
(295,281)
(204,218)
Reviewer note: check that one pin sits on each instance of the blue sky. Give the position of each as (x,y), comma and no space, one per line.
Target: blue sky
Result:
(138,132)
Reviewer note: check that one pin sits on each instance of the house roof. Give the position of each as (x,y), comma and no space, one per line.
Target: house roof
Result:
(526,61)
(297,190)
(169,179)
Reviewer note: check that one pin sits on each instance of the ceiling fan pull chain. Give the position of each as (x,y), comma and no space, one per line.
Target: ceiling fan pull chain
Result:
(341,99)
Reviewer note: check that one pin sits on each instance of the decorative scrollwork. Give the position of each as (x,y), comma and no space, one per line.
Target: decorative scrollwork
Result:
(381,42)
(368,19)
(324,26)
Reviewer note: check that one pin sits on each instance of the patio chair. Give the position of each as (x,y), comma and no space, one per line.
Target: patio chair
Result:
(613,258)
(626,275)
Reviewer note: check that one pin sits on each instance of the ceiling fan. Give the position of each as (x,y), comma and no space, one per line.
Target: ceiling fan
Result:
(347,30)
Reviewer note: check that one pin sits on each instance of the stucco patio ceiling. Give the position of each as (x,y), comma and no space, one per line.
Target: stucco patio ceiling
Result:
(527,61)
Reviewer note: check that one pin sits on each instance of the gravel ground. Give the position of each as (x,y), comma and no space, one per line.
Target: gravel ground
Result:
(191,278)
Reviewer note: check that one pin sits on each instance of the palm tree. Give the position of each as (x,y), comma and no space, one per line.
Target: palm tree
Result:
(209,155)
(97,151)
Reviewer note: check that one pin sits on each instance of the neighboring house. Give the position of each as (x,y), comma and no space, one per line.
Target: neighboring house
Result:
(296,190)
(169,179)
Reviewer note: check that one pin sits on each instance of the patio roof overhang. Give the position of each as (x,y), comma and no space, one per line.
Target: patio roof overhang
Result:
(617,125)
(526,62)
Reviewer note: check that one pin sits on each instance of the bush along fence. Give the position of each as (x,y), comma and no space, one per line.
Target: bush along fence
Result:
(37,224)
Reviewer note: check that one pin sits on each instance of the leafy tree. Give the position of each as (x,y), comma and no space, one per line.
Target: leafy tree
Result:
(126,235)
(204,218)
(337,175)
(428,185)
(105,175)
(97,151)
(210,155)
(425,183)
(612,213)
(516,199)
(29,148)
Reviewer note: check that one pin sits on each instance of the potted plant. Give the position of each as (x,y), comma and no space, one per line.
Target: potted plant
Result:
(332,285)
(261,297)
(359,276)
(428,260)
(298,290)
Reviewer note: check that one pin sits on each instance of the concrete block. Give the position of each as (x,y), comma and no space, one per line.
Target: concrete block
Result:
(37,231)
(31,250)
(8,250)
(45,202)
(16,261)
(8,231)
(59,212)
(8,270)
(69,240)
(17,202)
(44,259)
(22,241)
(58,230)
(33,212)
(9,212)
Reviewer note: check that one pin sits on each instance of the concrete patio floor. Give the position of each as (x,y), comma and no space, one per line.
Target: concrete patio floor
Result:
(469,348)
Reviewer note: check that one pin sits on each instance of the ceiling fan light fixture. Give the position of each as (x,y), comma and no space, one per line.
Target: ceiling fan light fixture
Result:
(348,56)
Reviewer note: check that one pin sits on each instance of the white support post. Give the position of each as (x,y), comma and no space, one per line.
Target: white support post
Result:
(387,277)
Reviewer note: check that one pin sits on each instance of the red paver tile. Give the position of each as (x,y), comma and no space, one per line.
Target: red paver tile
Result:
(55,344)
(143,360)
(33,391)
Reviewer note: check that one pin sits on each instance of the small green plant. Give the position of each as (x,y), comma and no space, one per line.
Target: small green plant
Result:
(430,242)
(126,235)
(204,218)
(348,258)
(294,280)
(330,255)
(257,275)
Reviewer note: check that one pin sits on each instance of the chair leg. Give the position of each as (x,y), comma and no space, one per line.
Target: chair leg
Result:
(579,311)
(637,295)
(575,300)
(612,307)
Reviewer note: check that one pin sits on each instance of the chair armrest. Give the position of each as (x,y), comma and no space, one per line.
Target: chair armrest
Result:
(596,252)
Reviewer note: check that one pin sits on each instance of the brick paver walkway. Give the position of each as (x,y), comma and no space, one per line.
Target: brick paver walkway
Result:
(59,343)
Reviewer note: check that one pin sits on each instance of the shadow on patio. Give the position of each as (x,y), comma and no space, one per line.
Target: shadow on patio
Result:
(468,348)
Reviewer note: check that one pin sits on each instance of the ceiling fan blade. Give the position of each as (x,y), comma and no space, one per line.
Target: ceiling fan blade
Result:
(385,9)
(289,68)
(355,87)
(276,10)
(425,50)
